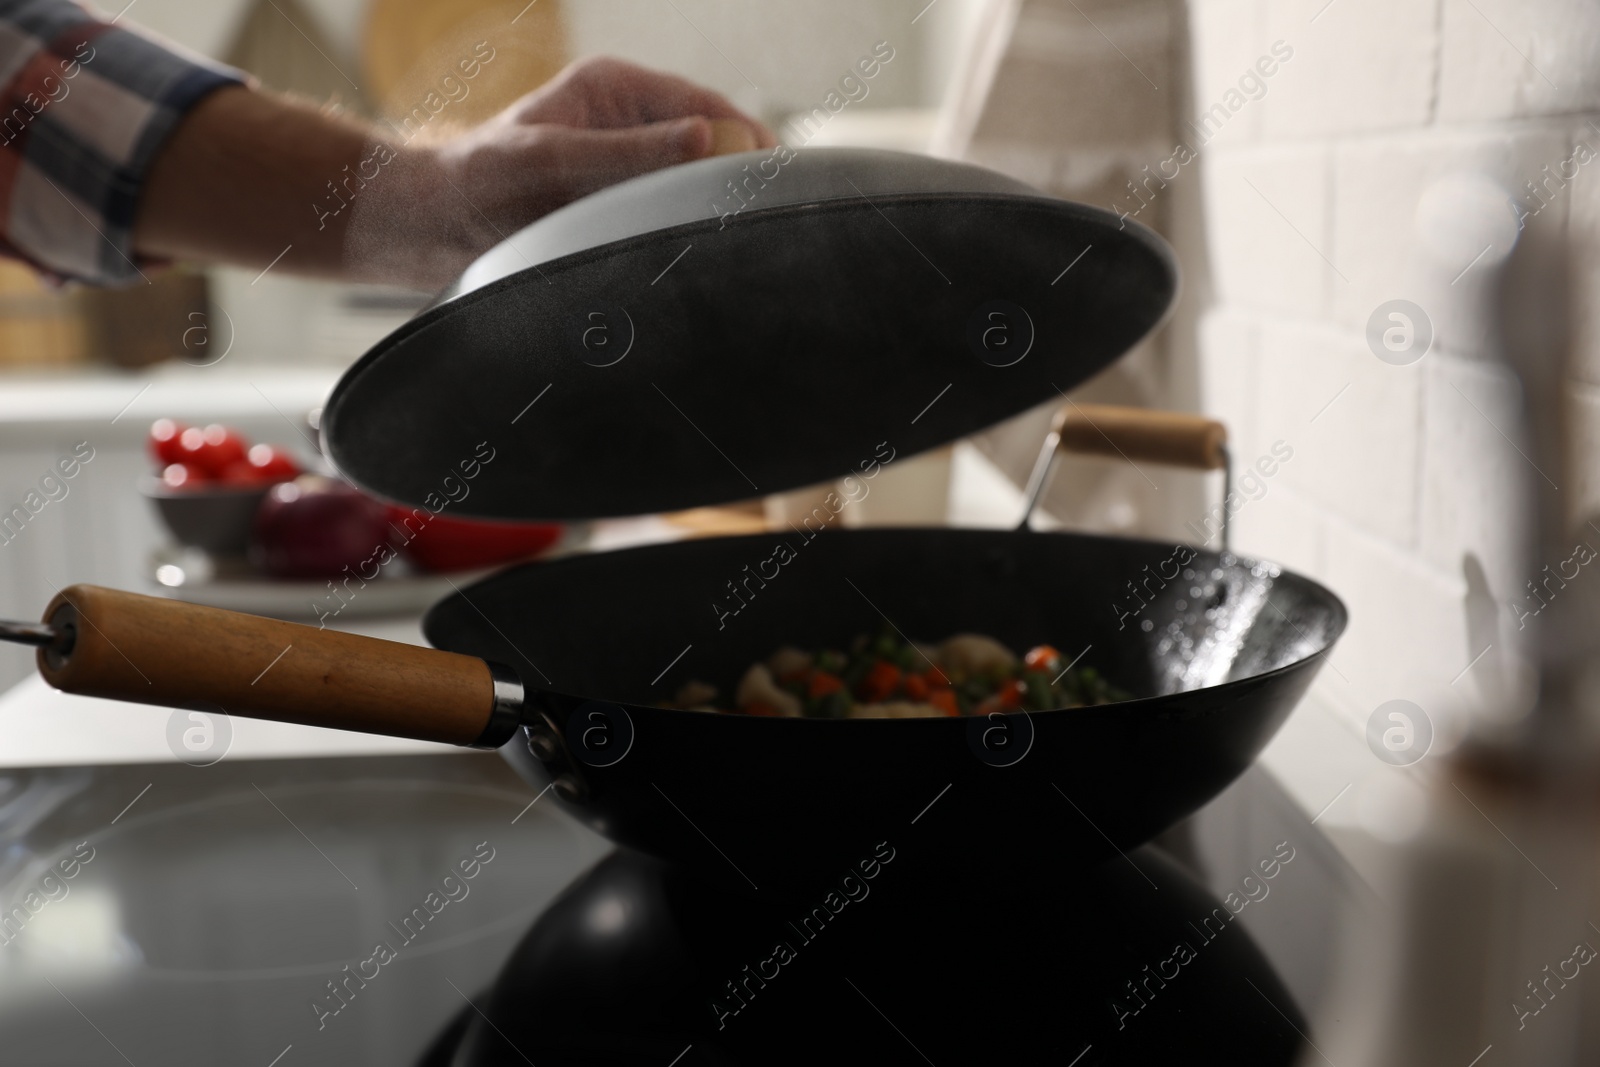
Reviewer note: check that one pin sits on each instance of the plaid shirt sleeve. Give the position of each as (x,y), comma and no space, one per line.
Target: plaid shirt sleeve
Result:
(84,107)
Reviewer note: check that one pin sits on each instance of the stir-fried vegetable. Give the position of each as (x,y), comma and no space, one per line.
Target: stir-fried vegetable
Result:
(888,677)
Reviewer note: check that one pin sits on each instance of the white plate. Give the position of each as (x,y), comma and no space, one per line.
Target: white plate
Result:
(199,578)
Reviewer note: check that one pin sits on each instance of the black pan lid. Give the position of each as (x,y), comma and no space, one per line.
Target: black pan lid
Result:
(740,326)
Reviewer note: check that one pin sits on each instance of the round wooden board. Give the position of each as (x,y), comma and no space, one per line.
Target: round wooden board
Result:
(410,48)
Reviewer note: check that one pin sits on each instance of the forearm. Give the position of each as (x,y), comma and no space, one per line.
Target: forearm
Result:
(252,178)
(258,180)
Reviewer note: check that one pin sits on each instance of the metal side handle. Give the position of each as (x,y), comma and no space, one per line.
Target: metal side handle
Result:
(1170,438)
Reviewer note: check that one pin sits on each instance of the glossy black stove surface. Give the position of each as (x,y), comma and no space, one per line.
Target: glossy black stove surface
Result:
(637,962)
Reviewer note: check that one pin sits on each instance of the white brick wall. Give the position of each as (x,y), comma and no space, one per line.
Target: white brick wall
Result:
(1380,181)
(1231,378)
(1400,495)
(1352,422)
(1506,59)
(1362,65)
(1227,42)
(1271,252)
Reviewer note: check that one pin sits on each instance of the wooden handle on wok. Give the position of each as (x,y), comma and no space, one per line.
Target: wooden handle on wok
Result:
(1166,437)
(151,650)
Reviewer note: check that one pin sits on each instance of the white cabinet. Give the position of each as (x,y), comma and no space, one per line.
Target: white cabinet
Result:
(95,526)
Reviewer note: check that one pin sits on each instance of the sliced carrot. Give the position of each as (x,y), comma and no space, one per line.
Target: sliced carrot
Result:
(822,683)
(945,701)
(916,687)
(1010,695)
(757,707)
(880,683)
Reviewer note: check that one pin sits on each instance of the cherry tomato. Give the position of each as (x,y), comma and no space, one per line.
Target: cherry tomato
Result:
(823,683)
(1011,695)
(916,687)
(163,441)
(212,449)
(182,476)
(1042,658)
(265,465)
(238,475)
(271,465)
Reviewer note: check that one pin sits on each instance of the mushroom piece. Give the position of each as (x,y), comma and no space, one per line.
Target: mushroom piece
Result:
(696,695)
(974,655)
(758,687)
(789,660)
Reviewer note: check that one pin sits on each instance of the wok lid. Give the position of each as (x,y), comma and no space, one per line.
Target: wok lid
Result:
(739,326)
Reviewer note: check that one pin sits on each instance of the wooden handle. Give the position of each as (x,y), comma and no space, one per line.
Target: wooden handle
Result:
(151,650)
(1166,437)
(731,135)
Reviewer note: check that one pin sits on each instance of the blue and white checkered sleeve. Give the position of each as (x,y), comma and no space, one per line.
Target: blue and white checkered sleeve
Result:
(85,106)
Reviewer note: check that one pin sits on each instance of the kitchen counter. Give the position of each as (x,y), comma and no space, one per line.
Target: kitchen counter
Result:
(110,403)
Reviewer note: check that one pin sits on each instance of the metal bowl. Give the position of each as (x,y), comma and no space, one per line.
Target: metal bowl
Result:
(216,519)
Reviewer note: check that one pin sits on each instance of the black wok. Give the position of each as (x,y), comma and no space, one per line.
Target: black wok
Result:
(1216,649)
(1217,660)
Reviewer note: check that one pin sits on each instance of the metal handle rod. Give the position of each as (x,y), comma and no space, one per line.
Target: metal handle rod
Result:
(1040,477)
(37,634)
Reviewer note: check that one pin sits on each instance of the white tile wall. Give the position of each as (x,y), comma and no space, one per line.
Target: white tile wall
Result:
(1400,496)
(1267,212)
(1352,421)
(1229,377)
(1283,527)
(1408,636)
(1505,59)
(1378,241)
(1358,66)
(1468,410)
(1229,38)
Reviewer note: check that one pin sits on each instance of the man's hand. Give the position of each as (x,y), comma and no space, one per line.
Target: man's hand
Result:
(598,122)
(247,175)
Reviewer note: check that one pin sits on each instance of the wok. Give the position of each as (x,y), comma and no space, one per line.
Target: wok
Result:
(1216,658)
